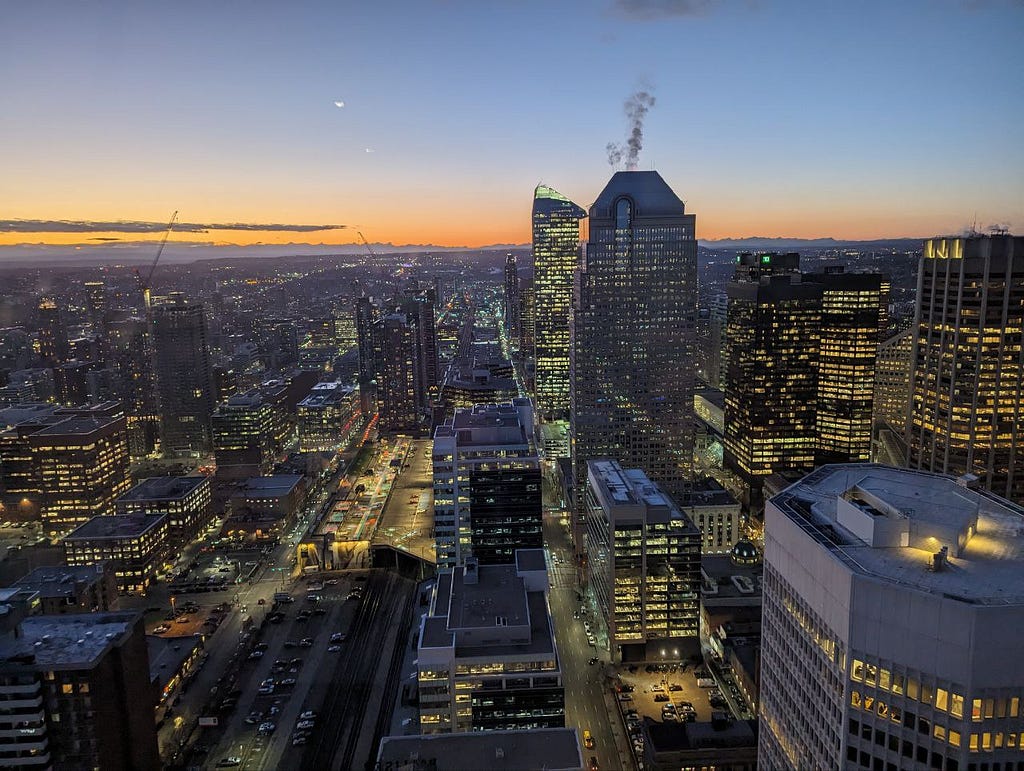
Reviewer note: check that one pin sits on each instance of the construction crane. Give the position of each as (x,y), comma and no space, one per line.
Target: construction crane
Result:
(367,244)
(146,285)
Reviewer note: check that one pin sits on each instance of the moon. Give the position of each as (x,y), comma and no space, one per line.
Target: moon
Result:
(339,104)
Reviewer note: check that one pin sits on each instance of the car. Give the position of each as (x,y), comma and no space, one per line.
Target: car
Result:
(161,629)
(261,601)
(267,728)
(309,714)
(306,642)
(675,687)
(319,611)
(290,644)
(255,655)
(657,689)
(338,637)
(593,660)
(588,739)
(331,582)
(253,718)
(593,764)
(660,697)
(670,707)
(407,722)
(625,697)
(304,724)
(182,620)
(229,762)
(627,688)
(296,662)
(273,711)
(286,682)
(333,648)
(298,741)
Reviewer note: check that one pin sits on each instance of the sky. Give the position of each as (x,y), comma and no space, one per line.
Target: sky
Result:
(852,120)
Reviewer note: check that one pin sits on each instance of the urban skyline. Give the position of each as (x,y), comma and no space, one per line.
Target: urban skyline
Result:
(263,142)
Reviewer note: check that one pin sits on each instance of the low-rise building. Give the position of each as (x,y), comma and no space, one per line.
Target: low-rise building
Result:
(553,749)
(186,501)
(135,543)
(487,659)
(172,660)
(73,588)
(245,435)
(721,744)
(267,505)
(328,417)
(715,512)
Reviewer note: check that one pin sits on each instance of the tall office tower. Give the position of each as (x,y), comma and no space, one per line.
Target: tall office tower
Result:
(556,240)
(801,365)
(634,336)
(369,334)
(71,384)
(96,302)
(527,329)
(852,320)
(892,380)
(487,485)
(511,301)
(74,462)
(890,640)
(244,436)
(77,692)
(53,335)
(711,326)
(419,312)
(397,387)
(967,385)
(644,562)
(487,657)
(183,376)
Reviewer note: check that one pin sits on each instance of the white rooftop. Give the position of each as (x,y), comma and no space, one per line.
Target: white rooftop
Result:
(901,518)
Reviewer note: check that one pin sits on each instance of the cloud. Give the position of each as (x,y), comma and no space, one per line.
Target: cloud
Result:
(646,10)
(134,226)
(339,103)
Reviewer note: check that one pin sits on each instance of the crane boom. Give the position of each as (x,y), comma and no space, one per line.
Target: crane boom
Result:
(366,244)
(152,268)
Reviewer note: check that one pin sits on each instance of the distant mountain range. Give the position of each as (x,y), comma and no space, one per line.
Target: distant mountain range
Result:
(762,242)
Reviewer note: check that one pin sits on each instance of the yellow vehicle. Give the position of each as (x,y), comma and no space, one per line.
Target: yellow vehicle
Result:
(588,740)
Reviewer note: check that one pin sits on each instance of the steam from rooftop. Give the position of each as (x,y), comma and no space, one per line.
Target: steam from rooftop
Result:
(635,107)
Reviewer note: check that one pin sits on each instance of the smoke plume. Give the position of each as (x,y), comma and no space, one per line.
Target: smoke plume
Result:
(636,108)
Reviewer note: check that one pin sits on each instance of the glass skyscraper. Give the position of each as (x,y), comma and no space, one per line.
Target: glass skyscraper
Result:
(556,231)
(634,335)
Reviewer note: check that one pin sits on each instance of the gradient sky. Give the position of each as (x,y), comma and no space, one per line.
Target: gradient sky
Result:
(805,119)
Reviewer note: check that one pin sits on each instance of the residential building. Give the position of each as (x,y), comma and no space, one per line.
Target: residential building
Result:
(486,656)
(633,327)
(397,387)
(967,385)
(556,240)
(77,693)
(186,501)
(184,380)
(136,544)
(487,485)
(73,588)
(643,561)
(892,604)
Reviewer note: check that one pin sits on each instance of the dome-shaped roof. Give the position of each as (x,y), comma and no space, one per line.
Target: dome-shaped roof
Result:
(745,552)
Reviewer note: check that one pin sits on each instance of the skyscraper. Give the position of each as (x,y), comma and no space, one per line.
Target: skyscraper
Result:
(53,335)
(397,390)
(419,302)
(556,238)
(369,331)
(892,604)
(633,335)
(511,301)
(183,376)
(967,386)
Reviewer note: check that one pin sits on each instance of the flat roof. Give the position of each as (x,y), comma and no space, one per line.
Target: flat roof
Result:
(116,526)
(489,424)
(632,487)
(167,654)
(75,426)
(56,580)
(530,559)
(989,570)
(499,593)
(164,488)
(323,394)
(552,749)
(270,486)
(69,641)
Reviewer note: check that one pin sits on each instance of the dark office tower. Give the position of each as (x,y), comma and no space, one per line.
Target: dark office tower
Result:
(511,303)
(852,316)
(419,312)
(53,336)
(397,386)
(70,381)
(967,385)
(772,377)
(183,376)
(367,322)
(633,334)
(527,327)
(556,240)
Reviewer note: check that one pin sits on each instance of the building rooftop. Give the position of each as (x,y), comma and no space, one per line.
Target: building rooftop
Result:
(19,413)
(652,197)
(497,599)
(509,423)
(707,492)
(164,488)
(632,493)
(675,737)
(323,394)
(74,426)
(530,559)
(57,580)
(118,526)
(270,486)
(552,749)
(74,641)
(167,654)
(892,523)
